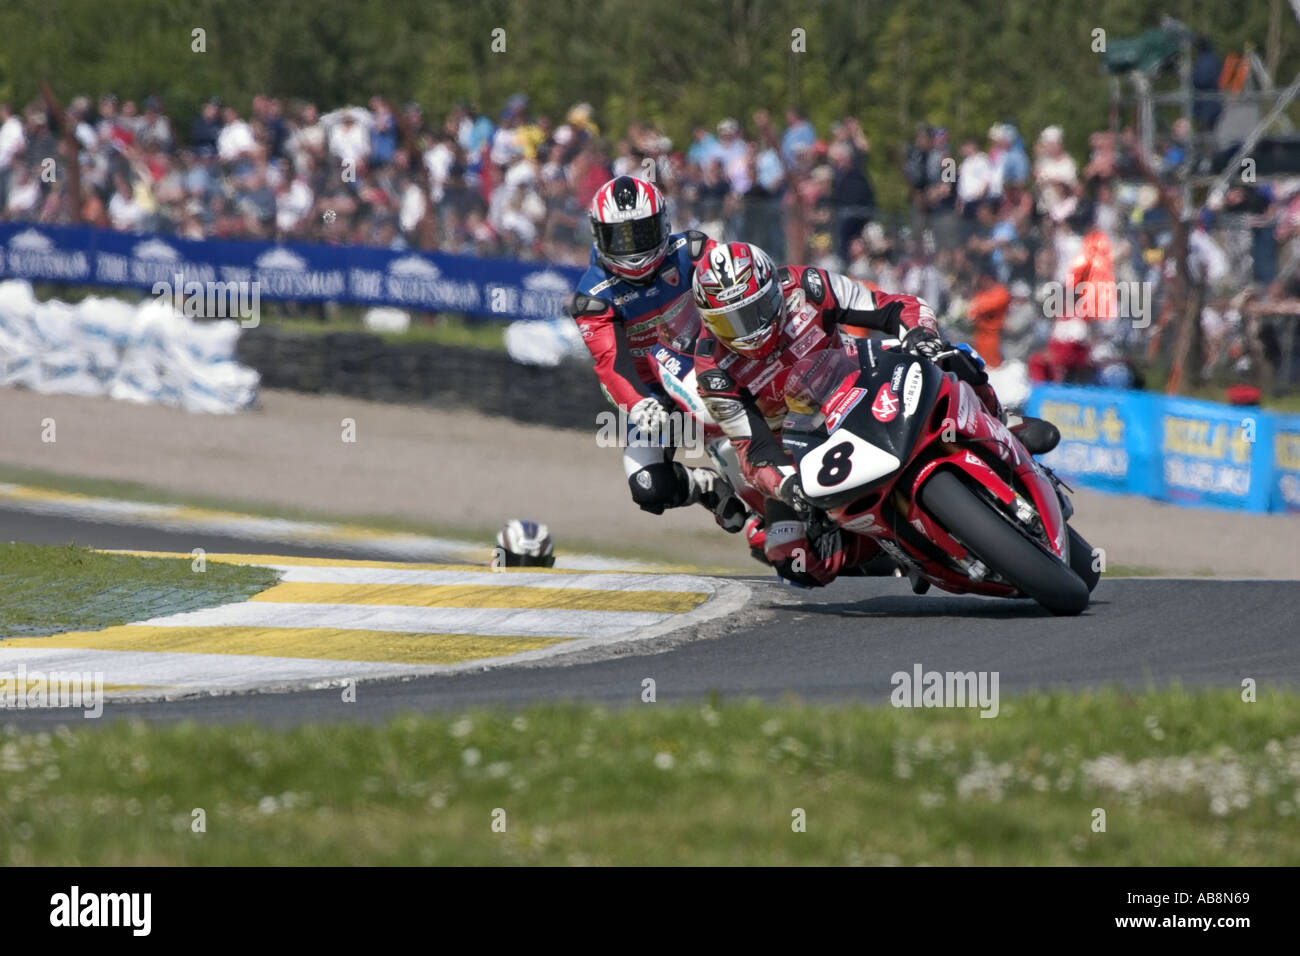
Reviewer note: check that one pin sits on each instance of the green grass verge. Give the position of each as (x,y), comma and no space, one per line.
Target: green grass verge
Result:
(1139,571)
(1157,375)
(444,330)
(48,590)
(1184,778)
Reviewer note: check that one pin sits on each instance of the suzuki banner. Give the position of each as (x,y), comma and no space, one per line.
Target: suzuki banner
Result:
(1285,491)
(1211,454)
(427,281)
(1173,449)
(1106,439)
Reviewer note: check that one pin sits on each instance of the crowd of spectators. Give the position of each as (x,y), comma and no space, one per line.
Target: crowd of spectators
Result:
(994,221)
(516,184)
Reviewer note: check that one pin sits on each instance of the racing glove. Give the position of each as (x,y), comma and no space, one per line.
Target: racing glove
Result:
(925,342)
(962,360)
(791,492)
(649,416)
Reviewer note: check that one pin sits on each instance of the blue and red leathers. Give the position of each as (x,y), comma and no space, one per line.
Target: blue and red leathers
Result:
(619,321)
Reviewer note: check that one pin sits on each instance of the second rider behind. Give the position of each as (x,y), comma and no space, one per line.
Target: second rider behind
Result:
(640,276)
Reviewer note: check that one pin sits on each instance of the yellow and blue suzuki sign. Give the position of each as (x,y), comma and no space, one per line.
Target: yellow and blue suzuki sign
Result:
(1105,436)
(1213,454)
(1285,490)
(1173,449)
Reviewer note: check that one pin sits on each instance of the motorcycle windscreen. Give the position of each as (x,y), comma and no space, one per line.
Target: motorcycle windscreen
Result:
(844,462)
(816,381)
(680,326)
(814,384)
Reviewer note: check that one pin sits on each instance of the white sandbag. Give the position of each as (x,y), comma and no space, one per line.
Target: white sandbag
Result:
(66,372)
(146,352)
(544,342)
(386,319)
(1010,381)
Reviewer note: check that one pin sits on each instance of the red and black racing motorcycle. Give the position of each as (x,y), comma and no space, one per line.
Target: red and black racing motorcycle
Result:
(891,446)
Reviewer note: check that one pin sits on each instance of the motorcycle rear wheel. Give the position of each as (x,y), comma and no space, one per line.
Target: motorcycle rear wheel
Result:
(1029,566)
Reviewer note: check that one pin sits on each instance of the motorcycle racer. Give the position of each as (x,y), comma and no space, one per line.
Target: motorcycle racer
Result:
(639,276)
(760,321)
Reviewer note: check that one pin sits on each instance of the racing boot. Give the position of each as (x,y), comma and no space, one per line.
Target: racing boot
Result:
(869,560)
(1038,435)
(713,491)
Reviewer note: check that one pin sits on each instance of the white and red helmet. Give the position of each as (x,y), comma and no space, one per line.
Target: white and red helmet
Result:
(739,297)
(630,224)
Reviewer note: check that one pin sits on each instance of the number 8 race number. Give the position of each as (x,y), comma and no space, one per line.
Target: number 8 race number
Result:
(836,465)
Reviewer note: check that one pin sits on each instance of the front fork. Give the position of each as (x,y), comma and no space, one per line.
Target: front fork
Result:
(1067,506)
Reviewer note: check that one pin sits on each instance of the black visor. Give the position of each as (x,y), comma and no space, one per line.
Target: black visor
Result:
(631,238)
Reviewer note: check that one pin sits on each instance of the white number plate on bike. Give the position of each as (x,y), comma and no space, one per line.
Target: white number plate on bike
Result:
(842,463)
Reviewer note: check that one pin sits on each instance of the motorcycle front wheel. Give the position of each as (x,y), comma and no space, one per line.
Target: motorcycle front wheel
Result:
(993,538)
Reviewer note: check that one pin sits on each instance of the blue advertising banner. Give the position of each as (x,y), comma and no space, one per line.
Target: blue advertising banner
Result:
(1212,454)
(1285,491)
(428,281)
(1105,436)
(1174,449)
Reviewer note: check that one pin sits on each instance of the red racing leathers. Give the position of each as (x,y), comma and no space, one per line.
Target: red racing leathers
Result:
(746,397)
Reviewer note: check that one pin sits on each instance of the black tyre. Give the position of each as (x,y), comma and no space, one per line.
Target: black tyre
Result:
(1081,560)
(1030,567)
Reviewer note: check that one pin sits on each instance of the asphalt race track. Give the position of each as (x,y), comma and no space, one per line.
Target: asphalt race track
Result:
(842,643)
